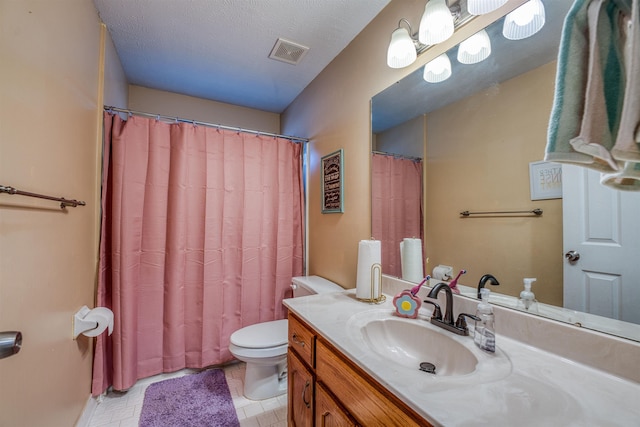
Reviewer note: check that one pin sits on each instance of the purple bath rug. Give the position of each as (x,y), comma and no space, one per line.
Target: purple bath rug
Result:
(196,400)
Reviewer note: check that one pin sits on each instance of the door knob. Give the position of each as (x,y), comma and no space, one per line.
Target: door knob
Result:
(10,343)
(572,256)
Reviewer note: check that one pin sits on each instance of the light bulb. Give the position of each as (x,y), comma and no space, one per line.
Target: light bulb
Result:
(438,69)
(480,7)
(475,49)
(402,51)
(436,24)
(525,21)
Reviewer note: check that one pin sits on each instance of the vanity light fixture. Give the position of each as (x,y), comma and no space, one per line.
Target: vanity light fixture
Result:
(436,24)
(475,49)
(524,21)
(402,50)
(480,7)
(437,70)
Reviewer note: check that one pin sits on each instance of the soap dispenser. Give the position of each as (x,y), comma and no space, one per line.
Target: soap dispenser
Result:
(527,299)
(484,333)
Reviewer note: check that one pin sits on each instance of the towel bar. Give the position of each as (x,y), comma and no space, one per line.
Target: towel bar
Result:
(536,212)
(63,202)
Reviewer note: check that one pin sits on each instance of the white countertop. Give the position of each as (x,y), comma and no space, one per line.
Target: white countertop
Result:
(523,386)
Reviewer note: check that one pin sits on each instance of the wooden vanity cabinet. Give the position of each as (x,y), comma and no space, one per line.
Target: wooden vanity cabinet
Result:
(301,392)
(326,389)
(362,396)
(330,413)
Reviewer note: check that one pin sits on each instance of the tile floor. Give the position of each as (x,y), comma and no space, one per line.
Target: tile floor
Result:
(123,409)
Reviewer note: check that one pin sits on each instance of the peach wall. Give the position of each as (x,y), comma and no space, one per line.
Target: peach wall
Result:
(189,107)
(406,139)
(478,155)
(334,112)
(50,55)
(116,88)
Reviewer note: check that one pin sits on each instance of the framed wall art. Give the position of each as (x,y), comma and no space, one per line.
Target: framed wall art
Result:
(332,183)
(545,180)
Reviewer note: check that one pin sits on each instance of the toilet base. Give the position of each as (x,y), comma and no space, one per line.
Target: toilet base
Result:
(265,381)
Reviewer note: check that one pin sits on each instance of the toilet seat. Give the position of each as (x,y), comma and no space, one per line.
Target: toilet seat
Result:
(261,335)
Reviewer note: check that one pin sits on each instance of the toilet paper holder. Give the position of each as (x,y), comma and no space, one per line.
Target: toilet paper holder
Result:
(83,323)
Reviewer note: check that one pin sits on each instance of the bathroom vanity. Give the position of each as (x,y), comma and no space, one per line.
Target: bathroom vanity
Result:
(351,363)
(328,389)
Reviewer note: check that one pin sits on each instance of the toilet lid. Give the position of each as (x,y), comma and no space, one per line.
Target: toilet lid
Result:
(261,335)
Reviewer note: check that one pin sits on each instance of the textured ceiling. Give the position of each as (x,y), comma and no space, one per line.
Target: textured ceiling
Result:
(218,49)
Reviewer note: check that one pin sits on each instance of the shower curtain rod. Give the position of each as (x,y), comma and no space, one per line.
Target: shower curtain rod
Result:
(196,122)
(399,156)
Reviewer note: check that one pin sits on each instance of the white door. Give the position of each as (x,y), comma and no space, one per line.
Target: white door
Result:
(601,227)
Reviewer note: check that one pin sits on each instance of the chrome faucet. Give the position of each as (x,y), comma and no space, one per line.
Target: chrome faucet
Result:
(460,326)
(484,279)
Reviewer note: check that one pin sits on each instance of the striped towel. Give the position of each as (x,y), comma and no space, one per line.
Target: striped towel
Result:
(627,147)
(589,87)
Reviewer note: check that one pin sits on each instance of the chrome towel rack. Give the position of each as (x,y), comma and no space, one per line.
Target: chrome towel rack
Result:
(536,212)
(63,202)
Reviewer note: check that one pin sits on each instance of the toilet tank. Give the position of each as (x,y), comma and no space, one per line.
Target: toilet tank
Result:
(310,285)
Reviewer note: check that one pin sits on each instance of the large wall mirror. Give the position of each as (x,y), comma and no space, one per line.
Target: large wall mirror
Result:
(477,139)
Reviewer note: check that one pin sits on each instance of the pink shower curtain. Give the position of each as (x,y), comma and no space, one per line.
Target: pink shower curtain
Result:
(396,206)
(202,231)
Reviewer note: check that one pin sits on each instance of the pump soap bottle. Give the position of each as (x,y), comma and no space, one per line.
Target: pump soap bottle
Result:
(484,333)
(527,299)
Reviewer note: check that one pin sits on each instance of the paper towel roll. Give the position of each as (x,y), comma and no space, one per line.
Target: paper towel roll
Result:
(411,260)
(369,253)
(103,317)
(443,272)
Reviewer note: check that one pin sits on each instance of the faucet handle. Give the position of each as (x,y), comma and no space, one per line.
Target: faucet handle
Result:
(437,313)
(461,323)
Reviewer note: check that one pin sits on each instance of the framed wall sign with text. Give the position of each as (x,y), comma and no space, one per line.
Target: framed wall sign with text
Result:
(332,185)
(545,180)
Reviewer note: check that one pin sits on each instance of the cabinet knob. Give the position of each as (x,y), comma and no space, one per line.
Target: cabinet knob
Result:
(295,339)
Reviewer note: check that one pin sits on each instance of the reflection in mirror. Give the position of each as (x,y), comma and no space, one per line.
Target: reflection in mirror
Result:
(396,219)
(477,133)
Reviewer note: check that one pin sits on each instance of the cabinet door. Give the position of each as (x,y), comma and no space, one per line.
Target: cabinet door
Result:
(301,392)
(328,412)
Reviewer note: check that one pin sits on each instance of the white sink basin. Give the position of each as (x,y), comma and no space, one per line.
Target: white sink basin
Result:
(399,345)
(411,343)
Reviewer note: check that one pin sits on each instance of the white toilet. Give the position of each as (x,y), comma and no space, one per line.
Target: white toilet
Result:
(263,346)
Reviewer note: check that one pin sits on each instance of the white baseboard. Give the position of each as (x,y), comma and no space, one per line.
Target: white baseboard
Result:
(87,413)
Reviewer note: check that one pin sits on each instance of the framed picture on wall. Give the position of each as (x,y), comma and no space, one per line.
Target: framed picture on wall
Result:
(545,180)
(332,183)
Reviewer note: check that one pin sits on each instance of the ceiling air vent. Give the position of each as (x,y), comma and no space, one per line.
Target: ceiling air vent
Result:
(289,52)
